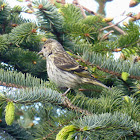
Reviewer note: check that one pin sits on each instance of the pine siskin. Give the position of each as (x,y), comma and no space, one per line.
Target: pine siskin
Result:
(62,69)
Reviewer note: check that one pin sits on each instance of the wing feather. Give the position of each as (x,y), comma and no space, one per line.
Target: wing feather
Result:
(65,62)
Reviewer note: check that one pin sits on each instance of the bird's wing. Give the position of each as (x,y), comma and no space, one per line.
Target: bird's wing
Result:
(65,62)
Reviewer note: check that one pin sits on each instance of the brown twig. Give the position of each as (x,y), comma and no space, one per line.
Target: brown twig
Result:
(116,73)
(81,8)
(113,25)
(105,36)
(61,1)
(116,28)
(11,85)
(90,11)
(106,70)
(50,134)
(68,104)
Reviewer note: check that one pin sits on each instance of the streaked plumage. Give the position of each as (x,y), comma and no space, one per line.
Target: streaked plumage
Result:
(62,69)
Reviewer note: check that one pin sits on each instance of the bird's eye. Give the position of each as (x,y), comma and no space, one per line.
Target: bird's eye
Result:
(44,47)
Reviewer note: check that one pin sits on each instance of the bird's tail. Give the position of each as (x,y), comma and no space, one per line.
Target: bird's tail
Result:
(94,82)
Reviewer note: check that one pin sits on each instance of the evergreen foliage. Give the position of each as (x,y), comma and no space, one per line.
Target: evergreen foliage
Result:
(14,131)
(119,123)
(37,108)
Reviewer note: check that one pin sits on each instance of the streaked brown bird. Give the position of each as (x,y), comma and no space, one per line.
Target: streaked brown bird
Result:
(63,70)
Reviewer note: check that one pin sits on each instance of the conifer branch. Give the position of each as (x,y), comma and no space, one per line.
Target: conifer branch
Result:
(33,95)
(116,73)
(54,131)
(104,123)
(42,94)
(20,80)
(68,104)
(111,25)
(10,85)
(87,62)
(15,131)
(59,127)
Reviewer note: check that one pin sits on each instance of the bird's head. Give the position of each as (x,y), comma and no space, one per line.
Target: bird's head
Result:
(51,46)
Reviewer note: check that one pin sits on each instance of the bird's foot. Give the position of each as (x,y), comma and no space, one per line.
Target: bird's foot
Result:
(64,94)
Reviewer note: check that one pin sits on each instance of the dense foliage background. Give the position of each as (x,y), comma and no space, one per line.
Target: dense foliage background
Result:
(31,106)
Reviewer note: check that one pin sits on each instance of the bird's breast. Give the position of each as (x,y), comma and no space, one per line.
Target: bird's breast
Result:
(60,77)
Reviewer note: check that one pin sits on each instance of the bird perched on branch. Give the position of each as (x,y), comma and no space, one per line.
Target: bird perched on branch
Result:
(63,70)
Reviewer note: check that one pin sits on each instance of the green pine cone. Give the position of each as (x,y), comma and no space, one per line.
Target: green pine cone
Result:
(70,136)
(9,113)
(125,76)
(64,132)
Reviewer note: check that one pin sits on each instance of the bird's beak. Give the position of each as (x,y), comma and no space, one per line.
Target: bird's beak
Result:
(40,53)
